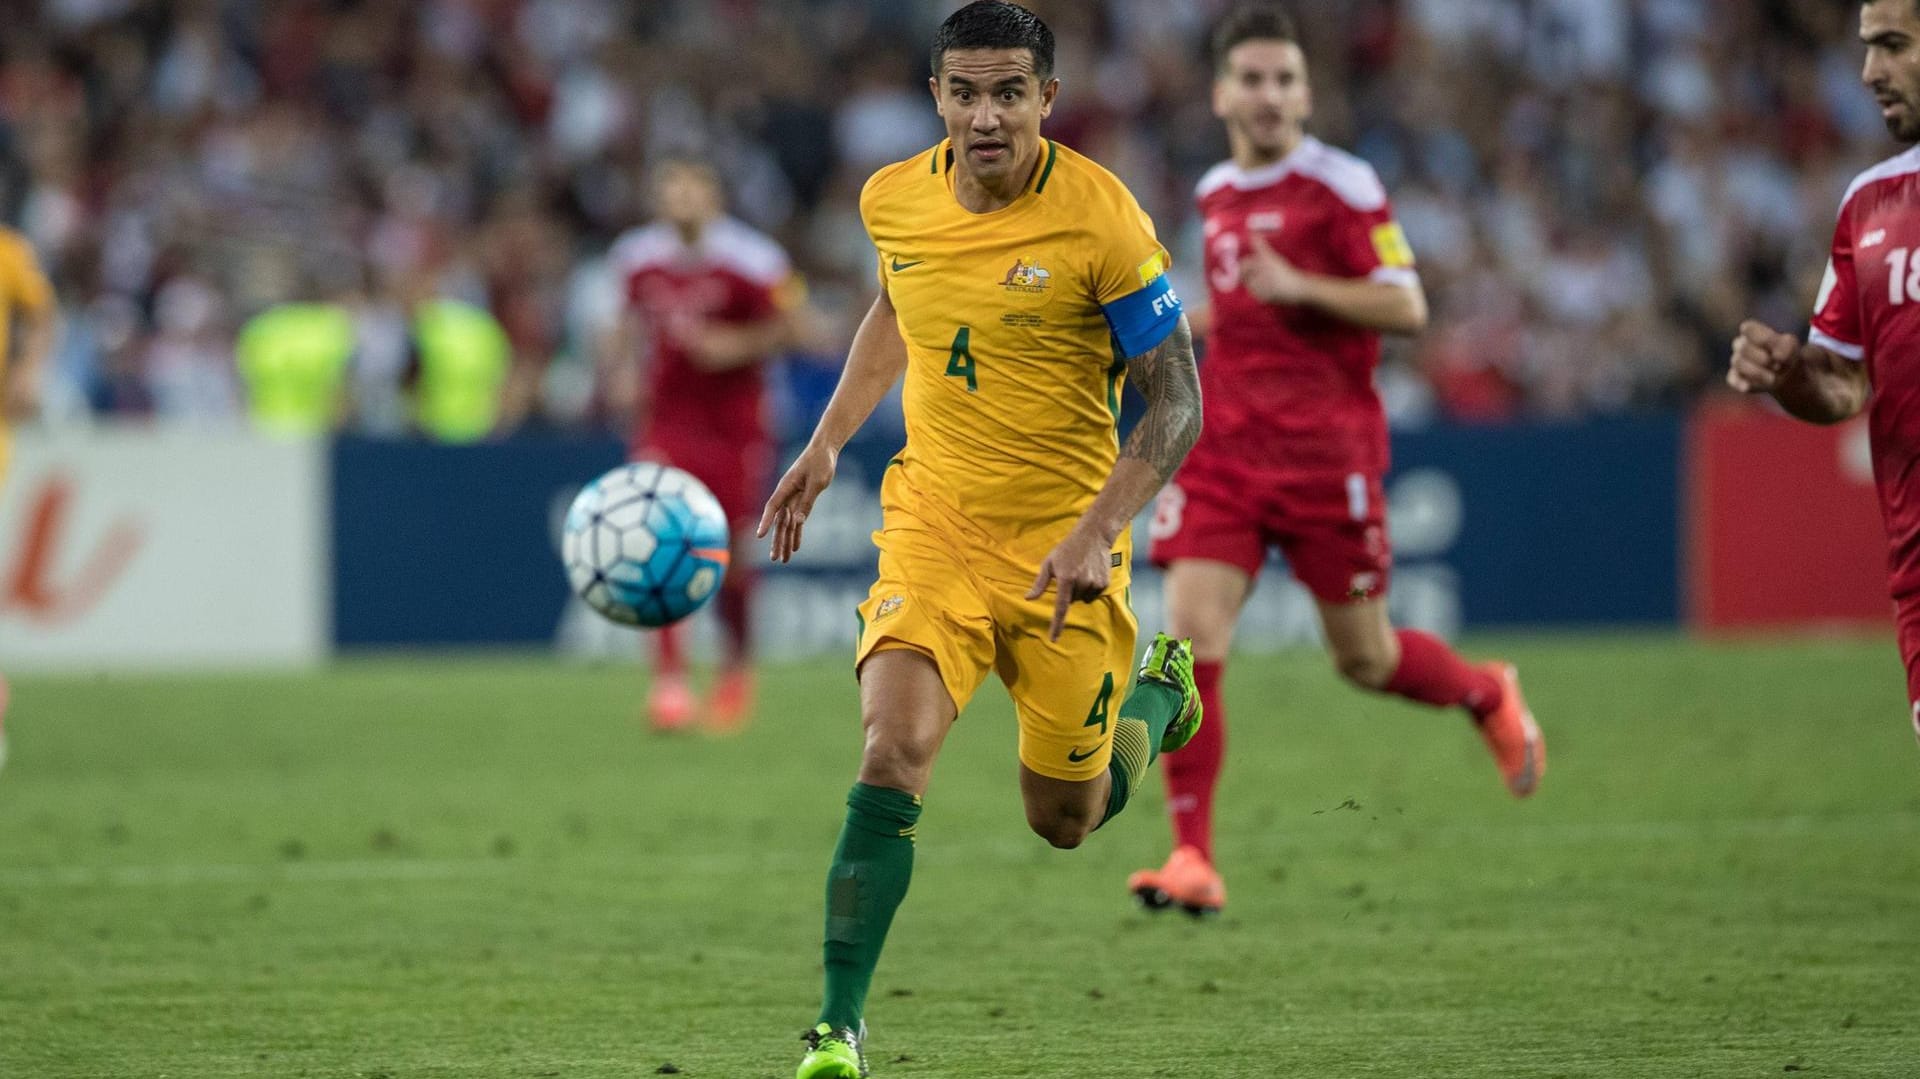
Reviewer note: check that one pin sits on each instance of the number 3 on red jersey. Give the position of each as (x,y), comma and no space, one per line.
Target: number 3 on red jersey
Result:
(1226,262)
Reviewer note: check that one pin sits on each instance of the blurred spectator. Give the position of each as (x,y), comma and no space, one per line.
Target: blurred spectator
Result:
(293,358)
(191,358)
(1598,189)
(463,358)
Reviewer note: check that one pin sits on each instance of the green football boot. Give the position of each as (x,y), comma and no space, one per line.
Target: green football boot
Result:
(833,1054)
(1169,662)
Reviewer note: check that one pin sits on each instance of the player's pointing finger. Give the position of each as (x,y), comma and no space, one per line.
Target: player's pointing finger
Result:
(1063,598)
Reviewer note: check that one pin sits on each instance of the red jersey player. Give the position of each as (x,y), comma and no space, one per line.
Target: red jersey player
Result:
(1305,268)
(1865,340)
(707,291)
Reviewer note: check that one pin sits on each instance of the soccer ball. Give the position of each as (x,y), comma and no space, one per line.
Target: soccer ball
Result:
(645,544)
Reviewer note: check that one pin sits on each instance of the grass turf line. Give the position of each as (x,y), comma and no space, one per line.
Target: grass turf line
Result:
(436,868)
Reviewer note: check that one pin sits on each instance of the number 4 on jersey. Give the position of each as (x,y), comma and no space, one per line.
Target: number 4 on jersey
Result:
(960,360)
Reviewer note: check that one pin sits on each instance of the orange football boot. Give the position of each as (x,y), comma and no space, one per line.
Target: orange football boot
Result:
(670,703)
(1512,735)
(1187,881)
(732,703)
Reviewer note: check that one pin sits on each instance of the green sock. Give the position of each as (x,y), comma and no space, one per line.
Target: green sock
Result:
(871,867)
(1144,718)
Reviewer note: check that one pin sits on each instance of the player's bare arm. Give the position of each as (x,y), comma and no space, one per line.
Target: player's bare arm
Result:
(1810,382)
(874,364)
(1387,306)
(715,346)
(1167,377)
(1169,380)
(27,386)
(621,355)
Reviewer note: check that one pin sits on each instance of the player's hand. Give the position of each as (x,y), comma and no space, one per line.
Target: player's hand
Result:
(1762,358)
(709,347)
(787,510)
(24,392)
(1080,568)
(1269,277)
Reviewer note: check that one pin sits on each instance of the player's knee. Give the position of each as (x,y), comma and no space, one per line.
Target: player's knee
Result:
(895,766)
(1061,835)
(1210,645)
(1368,670)
(896,759)
(1209,626)
(1062,829)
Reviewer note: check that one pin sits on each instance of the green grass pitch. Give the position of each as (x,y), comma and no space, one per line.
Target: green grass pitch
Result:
(420,868)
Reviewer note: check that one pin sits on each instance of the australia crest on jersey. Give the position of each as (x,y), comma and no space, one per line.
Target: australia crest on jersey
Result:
(1027,276)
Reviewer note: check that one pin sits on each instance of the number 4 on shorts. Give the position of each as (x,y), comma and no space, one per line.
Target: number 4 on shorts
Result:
(1098,715)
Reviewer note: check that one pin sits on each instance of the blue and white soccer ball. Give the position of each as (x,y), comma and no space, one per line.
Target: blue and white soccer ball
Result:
(645,544)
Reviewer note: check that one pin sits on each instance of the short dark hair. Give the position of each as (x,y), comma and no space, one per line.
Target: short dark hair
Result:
(995,24)
(1251,22)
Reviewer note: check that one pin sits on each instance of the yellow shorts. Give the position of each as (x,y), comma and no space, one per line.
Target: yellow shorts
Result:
(931,598)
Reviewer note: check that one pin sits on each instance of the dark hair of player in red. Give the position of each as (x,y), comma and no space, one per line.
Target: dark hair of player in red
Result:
(996,24)
(1251,22)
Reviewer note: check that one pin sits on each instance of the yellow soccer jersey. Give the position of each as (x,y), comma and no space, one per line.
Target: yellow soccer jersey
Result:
(22,287)
(1017,325)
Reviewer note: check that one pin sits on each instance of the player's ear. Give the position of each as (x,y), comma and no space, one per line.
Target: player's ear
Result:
(933,87)
(1048,91)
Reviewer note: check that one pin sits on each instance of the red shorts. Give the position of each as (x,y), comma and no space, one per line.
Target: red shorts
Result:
(1906,615)
(1333,530)
(736,472)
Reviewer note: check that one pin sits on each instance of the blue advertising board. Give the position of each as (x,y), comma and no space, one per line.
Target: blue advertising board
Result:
(1527,525)
(1556,524)
(454,545)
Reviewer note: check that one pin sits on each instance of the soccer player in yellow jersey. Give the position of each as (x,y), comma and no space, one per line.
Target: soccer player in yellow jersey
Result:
(1020,285)
(24,292)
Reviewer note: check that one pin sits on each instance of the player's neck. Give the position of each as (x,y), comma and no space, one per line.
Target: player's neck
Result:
(690,231)
(978,197)
(1250,157)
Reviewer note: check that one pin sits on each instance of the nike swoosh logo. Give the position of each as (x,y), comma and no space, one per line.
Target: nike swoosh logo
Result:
(898,265)
(1076,756)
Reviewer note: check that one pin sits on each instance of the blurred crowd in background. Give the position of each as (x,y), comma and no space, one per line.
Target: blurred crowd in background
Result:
(1598,190)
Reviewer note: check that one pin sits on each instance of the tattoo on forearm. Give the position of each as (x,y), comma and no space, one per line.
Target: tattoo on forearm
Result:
(1166,376)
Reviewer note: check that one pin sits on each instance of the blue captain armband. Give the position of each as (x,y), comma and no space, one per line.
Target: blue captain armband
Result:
(1143,319)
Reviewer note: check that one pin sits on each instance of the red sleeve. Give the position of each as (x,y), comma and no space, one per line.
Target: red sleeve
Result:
(1836,312)
(761,280)
(1371,244)
(759,300)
